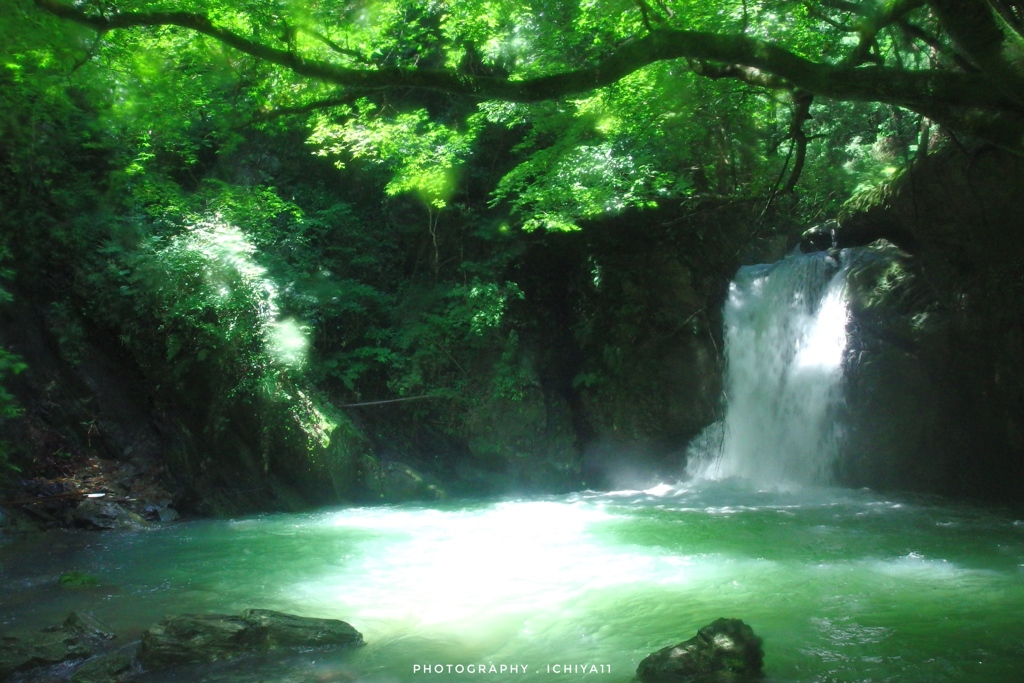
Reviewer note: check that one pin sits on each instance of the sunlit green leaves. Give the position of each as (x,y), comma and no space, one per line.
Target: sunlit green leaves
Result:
(214,298)
(185,96)
(560,186)
(483,304)
(424,155)
(660,134)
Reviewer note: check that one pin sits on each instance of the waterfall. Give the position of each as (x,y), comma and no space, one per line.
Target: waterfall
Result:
(785,337)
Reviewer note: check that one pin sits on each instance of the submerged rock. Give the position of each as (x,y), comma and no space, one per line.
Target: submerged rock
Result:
(15,522)
(77,579)
(86,626)
(191,638)
(277,629)
(724,651)
(111,667)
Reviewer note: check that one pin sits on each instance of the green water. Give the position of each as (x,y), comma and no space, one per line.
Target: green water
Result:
(842,585)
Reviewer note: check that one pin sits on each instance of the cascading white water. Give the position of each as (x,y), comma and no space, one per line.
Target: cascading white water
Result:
(786,333)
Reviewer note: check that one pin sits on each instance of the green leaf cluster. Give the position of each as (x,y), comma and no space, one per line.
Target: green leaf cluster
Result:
(424,156)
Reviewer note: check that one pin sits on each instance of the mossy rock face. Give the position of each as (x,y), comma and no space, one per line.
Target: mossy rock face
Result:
(937,394)
(112,667)
(79,637)
(192,638)
(400,482)
(98,514)
(523,445)
(725,650)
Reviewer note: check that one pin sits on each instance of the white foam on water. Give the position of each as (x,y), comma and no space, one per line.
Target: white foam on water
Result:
(786,335)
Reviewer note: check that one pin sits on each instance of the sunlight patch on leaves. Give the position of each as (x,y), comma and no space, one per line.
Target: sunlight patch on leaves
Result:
(212,281)
(424,155)
(579,183)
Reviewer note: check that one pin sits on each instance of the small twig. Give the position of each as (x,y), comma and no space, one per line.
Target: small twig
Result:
(339,101)
(452,359)
(390,400)
(58,496)
(913,31)
(801,113)
(669,14)
(353,54)
(644,16)
(818,14)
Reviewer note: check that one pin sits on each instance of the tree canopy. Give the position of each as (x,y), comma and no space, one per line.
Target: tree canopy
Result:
(630,68)
(158,187)
(767,44)
(123,120)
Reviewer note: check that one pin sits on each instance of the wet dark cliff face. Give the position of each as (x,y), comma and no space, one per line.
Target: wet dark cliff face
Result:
(936,382)
(88,406)
(619,362)
(616,367)
(619,331)
(625,317)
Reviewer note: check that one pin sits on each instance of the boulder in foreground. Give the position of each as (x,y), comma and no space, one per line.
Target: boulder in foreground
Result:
(724,651)
(191,638)
(80,636)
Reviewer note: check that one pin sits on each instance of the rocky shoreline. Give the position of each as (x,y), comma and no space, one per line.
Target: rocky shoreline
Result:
(95,654)
(89,493)
(84,650)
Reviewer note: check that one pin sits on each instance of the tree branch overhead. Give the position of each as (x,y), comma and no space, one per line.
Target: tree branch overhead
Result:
(986,103)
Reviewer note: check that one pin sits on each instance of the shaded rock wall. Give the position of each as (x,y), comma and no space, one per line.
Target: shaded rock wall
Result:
(936,388)
(618,362)
(90,399)
(617,366)
(625,316)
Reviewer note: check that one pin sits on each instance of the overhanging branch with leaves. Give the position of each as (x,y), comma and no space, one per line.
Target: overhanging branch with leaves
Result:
(985,103)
